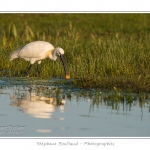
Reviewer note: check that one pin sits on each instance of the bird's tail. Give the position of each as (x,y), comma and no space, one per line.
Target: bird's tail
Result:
(14,55)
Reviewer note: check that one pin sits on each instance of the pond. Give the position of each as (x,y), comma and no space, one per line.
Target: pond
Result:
(42,108)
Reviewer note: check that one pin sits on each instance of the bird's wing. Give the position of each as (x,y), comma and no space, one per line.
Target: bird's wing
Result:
(35,49)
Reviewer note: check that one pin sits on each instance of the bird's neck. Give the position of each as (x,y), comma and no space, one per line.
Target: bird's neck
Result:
(53,55)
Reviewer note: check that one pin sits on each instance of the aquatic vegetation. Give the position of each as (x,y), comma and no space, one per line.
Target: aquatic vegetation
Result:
(101,50)
(33,93)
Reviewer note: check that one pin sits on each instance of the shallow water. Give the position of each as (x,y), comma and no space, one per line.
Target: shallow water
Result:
(43,109)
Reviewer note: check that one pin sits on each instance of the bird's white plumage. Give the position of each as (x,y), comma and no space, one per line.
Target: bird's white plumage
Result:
(34,51)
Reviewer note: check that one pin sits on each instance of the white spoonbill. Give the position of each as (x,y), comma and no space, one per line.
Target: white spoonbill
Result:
(37,51)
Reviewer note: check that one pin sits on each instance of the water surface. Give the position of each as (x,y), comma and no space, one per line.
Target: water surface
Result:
(44,109)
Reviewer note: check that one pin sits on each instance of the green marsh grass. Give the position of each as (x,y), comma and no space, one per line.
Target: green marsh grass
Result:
(101,50)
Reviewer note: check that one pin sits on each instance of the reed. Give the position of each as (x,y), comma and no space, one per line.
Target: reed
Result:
(101,50)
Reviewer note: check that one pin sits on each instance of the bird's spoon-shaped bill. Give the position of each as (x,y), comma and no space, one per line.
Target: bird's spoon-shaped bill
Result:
(67,76)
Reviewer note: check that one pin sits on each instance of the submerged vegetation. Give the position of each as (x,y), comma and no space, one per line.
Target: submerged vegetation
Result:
(101,50)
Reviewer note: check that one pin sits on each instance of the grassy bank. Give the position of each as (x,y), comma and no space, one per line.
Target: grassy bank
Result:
(101,50)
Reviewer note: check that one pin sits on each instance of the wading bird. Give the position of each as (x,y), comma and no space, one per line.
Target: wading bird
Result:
(37,51)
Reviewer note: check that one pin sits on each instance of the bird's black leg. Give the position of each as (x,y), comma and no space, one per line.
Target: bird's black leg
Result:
(37,70)
(28,70)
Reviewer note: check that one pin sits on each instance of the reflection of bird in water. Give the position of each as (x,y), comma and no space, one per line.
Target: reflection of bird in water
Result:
(38,106)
